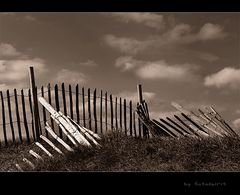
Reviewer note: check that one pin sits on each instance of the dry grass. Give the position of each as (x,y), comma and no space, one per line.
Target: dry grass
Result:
(121,153)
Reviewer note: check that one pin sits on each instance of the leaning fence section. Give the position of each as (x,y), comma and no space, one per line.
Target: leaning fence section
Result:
(96,110)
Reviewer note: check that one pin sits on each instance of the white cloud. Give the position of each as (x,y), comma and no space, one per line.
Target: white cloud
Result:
(178,35)
(126,63)
(70,77)
(14,67)
(162,70)
(125,45)
(210,31)
(152,20)
(7,50)
(227,77)
(14,71)
(89,63)
(156,69)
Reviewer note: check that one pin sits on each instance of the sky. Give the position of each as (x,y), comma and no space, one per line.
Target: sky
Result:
(189,58)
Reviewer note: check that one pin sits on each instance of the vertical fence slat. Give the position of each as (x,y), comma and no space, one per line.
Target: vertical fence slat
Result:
(89,109)
(18,116)
(130,117)
(50,102)
(111,109)
(10,116)
(3,119)
(70,101)
(35,103)
(77,104)
(125,115)
(116,114)
(31,110)
(120,114)
(57,107)
(134,125)
(64,100)
(106,115)
(25,117)
(95,109)
(139,126)
(44,113)
(101,112)
(83,102)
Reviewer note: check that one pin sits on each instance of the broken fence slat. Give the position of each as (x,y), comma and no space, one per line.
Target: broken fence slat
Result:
(64,130)
(54,135)
(51,144)
(63,120)
(19,168)
(84,129)
(44,149)
(36,155)
(73,130)
(85,132)
(29,163)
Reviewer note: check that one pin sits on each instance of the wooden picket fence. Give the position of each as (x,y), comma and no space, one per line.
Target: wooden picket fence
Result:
(101,113)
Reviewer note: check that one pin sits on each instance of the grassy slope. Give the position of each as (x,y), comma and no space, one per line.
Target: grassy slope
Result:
(120,153)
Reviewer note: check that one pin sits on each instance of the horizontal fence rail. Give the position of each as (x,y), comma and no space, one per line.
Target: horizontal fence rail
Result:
(94,109)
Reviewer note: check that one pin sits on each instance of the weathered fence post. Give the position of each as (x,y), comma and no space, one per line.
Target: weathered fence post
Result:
(35,102)
(140,100)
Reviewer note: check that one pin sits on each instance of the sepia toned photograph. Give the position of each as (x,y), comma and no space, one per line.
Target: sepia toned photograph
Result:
(119,92)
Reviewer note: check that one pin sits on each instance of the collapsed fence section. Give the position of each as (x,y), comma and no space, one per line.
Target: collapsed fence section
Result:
(95,109)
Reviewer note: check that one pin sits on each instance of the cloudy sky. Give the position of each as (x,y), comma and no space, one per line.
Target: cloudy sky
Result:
(189,58)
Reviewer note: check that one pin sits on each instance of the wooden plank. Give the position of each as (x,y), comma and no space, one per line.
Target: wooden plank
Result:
(116,114)
(35,103)
(120,114)
(101,111)
(111,111)
(194,123)
(106,115)
(139,128)
(165,130)
(177,131)
(44,113)
(54,135)
(71,101)
(77,104)
(3,119)
(10,117)
(219,118)
(57,107)
(134,125)
(64,100)
(50,102)
(89,110)
(130,117)
(62,119)
(140,94)
(51,144)
(18,116)
(176,124)
(139,125)
(83,103)
(187,126)
(31,109)
(125,115)
(95,109)
(25,117)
